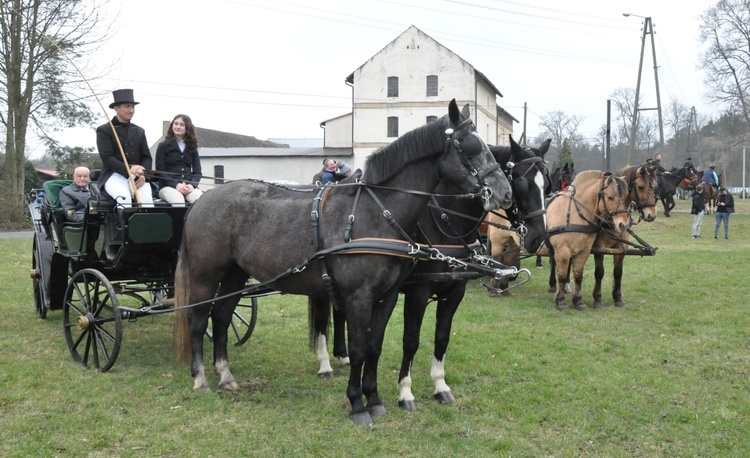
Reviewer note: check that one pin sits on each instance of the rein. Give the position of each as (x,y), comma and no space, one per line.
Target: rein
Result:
(591,226)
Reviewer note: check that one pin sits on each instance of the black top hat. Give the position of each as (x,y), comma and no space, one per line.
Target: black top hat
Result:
(123,96)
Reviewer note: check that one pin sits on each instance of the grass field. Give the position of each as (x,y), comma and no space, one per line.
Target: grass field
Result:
(666,376)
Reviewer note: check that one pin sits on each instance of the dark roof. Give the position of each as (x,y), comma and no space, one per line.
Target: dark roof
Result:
(217,139)
(273,152)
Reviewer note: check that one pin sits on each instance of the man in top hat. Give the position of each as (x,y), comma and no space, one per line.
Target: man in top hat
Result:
(115,176)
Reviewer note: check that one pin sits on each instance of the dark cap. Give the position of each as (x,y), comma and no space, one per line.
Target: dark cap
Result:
(712,166)
(123,96)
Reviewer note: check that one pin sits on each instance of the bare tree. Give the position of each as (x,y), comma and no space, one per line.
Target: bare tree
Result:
(41,90)
(558,125)
(725,30)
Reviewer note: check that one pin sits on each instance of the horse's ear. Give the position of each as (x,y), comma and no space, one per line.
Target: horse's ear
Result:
(466,111)
(453,112)
(544,147)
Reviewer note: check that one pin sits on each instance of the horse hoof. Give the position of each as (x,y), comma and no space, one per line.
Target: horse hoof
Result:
(562,307)
(581,307)
(620,304)
(378,410)
(230,386)
(598,305)
(344,361)
(409,406)
(445,397)
(203,389)
(361,419)
(325,375)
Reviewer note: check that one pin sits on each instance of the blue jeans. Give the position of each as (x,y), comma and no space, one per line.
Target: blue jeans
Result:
(719,218)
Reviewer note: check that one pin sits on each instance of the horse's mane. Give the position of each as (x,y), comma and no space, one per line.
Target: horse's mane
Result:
(587,177)
(415,145)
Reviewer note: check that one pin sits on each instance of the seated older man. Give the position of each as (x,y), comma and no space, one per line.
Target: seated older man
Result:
(75,197)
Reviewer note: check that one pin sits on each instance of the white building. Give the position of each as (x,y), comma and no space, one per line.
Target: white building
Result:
(403,86)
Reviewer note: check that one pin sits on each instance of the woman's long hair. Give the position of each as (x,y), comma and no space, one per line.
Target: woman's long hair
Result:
(191,139)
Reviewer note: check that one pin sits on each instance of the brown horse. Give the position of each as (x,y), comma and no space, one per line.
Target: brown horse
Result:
(642,184)
(575,217)
(709,192)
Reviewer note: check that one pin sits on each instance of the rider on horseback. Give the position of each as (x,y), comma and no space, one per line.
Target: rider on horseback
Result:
(660,174)
(710,177)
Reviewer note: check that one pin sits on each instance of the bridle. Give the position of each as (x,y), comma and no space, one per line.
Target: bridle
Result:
(610,215)
(637,201)
(451,140)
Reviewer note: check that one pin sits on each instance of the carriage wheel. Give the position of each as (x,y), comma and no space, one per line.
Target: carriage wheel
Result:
(41,306)
(91,320)
(243,321)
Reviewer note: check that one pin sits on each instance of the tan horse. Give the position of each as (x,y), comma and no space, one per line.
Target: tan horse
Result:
(642,184)
(574,219)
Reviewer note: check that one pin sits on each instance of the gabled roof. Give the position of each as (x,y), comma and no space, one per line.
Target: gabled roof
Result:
(479,75)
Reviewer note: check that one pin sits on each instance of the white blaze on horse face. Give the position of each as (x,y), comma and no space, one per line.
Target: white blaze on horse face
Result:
(539,181)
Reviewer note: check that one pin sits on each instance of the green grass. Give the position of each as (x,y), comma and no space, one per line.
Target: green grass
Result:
(666,376)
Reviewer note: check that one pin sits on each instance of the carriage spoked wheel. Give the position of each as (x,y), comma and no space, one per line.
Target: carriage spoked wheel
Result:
(37,278)
(92,322)
(38,281)
(243,320)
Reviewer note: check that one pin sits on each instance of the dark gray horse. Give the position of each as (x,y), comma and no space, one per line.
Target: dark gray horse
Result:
(453,224)
(360,251)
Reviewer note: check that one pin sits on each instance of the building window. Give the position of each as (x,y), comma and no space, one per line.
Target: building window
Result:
(431,119)
(432,85)
(393,86)
(218,174)
(393,126)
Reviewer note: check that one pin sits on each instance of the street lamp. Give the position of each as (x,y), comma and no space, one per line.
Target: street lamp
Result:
(648,29)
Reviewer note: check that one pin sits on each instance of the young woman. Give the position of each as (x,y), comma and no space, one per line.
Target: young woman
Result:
(177,163)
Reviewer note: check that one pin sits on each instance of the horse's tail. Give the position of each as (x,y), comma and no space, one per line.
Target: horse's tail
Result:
(183,348)
(317,322)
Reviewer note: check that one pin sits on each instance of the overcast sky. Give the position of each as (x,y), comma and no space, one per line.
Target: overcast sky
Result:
(276,69)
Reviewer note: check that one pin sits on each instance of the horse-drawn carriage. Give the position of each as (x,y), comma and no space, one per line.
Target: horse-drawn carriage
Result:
(117,265)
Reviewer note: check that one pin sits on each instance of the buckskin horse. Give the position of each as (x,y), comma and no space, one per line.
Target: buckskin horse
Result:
(642,184)
(574,218)
(256,229)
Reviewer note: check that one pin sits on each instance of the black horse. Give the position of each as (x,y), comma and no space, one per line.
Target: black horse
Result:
(451,224)
(561,177)
(677,178)
(257,229)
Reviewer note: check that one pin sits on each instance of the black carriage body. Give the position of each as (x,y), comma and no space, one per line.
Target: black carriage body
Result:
(138,244)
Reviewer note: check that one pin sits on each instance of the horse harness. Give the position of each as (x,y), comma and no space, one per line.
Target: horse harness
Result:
(470,255)
(595,226)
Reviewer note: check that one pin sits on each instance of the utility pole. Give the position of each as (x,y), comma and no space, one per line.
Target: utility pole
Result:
(648,29)
(524,125)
